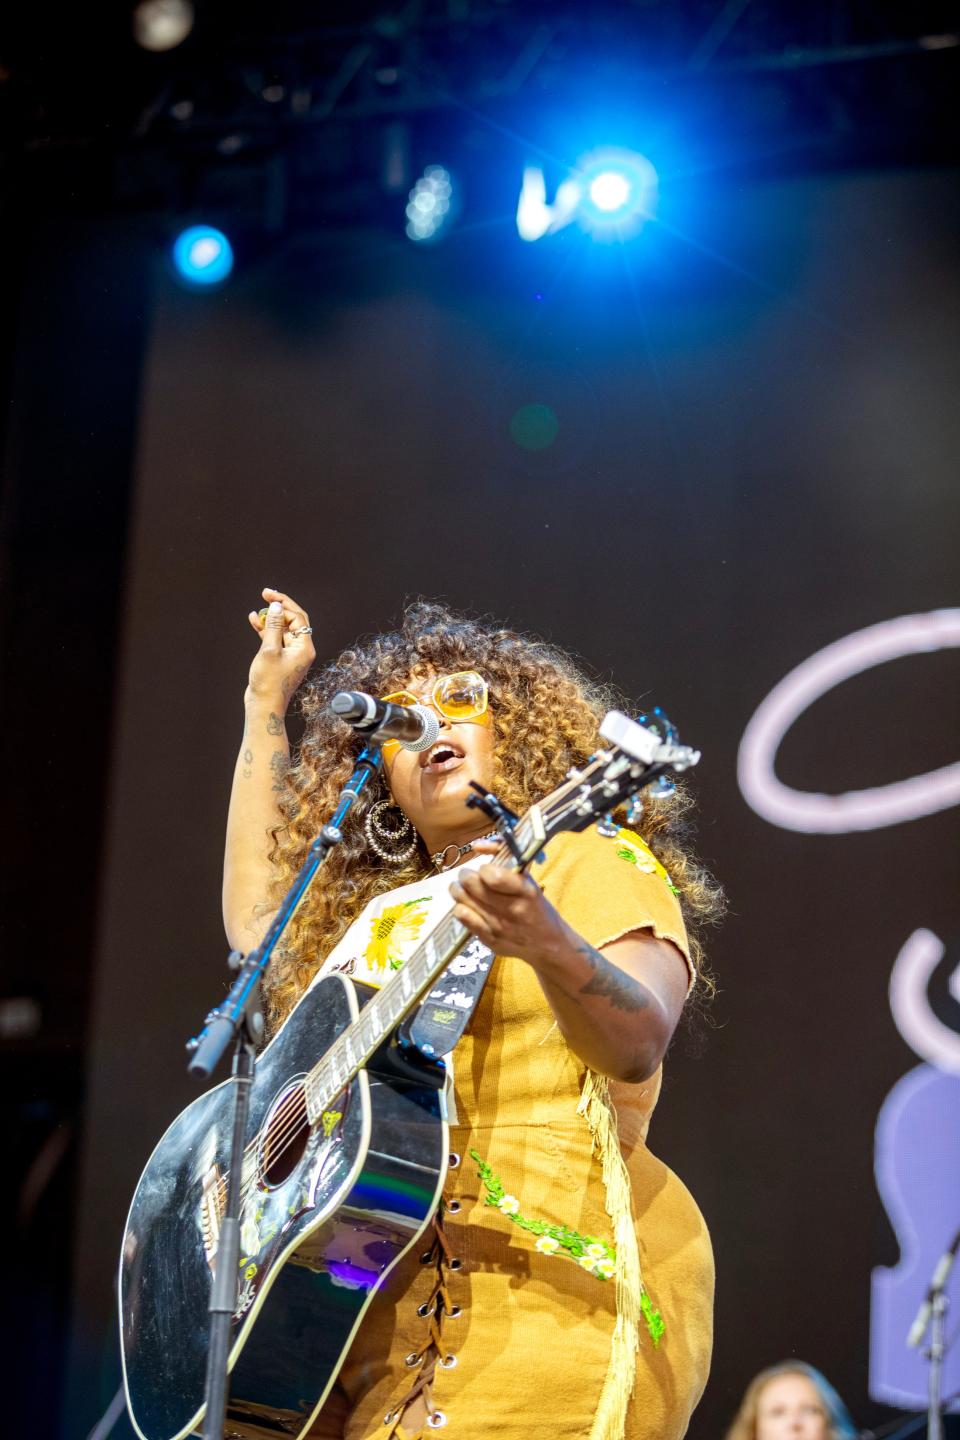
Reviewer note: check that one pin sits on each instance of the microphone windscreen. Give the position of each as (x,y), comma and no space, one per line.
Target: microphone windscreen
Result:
(431,729)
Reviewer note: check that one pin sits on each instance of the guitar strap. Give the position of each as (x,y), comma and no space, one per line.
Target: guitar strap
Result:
(445,1013)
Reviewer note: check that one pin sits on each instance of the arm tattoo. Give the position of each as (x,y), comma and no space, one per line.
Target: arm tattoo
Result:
(279,764)
(247,764)
(611,983)
(275,724)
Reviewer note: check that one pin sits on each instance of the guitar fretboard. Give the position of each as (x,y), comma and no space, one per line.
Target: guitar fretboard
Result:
(394,1001)
(605,781)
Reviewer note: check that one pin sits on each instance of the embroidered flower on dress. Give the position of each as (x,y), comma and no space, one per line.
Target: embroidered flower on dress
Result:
(595,1256)
(590,1253)
(631,847)
(637,857)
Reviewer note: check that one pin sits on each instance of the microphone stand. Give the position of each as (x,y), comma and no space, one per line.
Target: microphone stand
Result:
(240,1018)
(899,1429)
(935,1354)
(933,1313)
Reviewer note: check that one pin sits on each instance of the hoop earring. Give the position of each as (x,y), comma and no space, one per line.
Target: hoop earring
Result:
(388,841)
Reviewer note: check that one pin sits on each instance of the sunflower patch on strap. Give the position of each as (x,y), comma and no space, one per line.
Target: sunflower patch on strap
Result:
(392,930)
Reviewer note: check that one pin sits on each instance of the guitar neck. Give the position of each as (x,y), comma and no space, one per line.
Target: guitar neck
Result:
(393,1002)
(607,779)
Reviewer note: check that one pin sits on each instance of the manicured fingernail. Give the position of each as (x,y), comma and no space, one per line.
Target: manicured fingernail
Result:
(275,607)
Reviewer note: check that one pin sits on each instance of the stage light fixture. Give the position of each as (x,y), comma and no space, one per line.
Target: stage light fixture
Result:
(610,191)
(535,218)
(162,24)
(428,205)
(202,256)
(618,192)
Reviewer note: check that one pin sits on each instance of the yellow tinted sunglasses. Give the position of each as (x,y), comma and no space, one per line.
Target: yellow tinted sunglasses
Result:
(463,696)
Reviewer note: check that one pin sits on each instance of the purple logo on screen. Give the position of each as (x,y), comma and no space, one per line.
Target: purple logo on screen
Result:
(918,1129)
(918,1176)
(917,1162)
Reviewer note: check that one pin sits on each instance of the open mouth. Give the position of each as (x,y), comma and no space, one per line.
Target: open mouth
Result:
(443,755)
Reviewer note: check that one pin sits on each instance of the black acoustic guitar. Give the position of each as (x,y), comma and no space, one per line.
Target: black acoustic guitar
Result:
(343,1170)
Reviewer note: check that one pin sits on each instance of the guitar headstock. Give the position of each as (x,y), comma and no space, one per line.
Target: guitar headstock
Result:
(635,757)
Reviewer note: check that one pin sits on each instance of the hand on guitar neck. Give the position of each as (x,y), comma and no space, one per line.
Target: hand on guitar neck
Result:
(617,1007)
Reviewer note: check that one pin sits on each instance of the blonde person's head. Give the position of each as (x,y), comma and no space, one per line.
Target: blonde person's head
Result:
(545,711)
(747,1423)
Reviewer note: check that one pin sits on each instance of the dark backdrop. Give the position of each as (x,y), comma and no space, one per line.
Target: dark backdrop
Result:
(755,456)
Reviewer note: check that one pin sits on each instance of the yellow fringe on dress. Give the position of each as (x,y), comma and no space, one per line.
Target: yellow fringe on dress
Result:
(610,1420)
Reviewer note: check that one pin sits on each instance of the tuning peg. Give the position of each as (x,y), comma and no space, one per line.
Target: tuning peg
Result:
(659,724)
(635,811)
(607,827)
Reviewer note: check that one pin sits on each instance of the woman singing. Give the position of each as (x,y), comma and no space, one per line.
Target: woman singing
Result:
(508,1331)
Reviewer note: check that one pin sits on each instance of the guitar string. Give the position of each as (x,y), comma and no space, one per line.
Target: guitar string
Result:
(296,1120)
(289,1121)
(292,1113)
(292,1110)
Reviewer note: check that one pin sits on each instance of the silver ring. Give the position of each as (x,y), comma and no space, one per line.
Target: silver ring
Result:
(304,630)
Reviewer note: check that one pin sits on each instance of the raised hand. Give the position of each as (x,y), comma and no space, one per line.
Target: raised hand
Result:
(259,779)
(286,650)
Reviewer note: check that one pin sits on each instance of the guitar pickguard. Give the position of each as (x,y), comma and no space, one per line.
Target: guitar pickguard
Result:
(270,1211)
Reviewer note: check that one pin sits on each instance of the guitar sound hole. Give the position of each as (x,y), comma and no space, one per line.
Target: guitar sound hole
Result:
(284,1137)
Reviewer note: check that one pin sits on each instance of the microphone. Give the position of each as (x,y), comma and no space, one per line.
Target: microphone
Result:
(414,726)
(938,1283)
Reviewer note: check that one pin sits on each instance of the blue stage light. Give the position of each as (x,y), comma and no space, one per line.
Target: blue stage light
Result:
(618,192)
(428,207)
(202,255)
(610,191)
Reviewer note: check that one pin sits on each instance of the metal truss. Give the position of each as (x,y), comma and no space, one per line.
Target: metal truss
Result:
(240,104)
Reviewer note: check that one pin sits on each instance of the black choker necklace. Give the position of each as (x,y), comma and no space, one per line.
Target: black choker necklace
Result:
(446,858)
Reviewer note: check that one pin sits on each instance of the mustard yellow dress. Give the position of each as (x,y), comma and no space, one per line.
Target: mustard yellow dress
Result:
(507,1330)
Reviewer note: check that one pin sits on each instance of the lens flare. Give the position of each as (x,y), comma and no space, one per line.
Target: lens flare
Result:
(610,191)
(202,255)
(618,190)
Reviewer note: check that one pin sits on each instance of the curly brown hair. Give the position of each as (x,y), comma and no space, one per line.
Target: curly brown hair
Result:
(546,712)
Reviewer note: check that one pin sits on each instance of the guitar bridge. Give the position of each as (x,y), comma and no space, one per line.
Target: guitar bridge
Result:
(213,1203)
